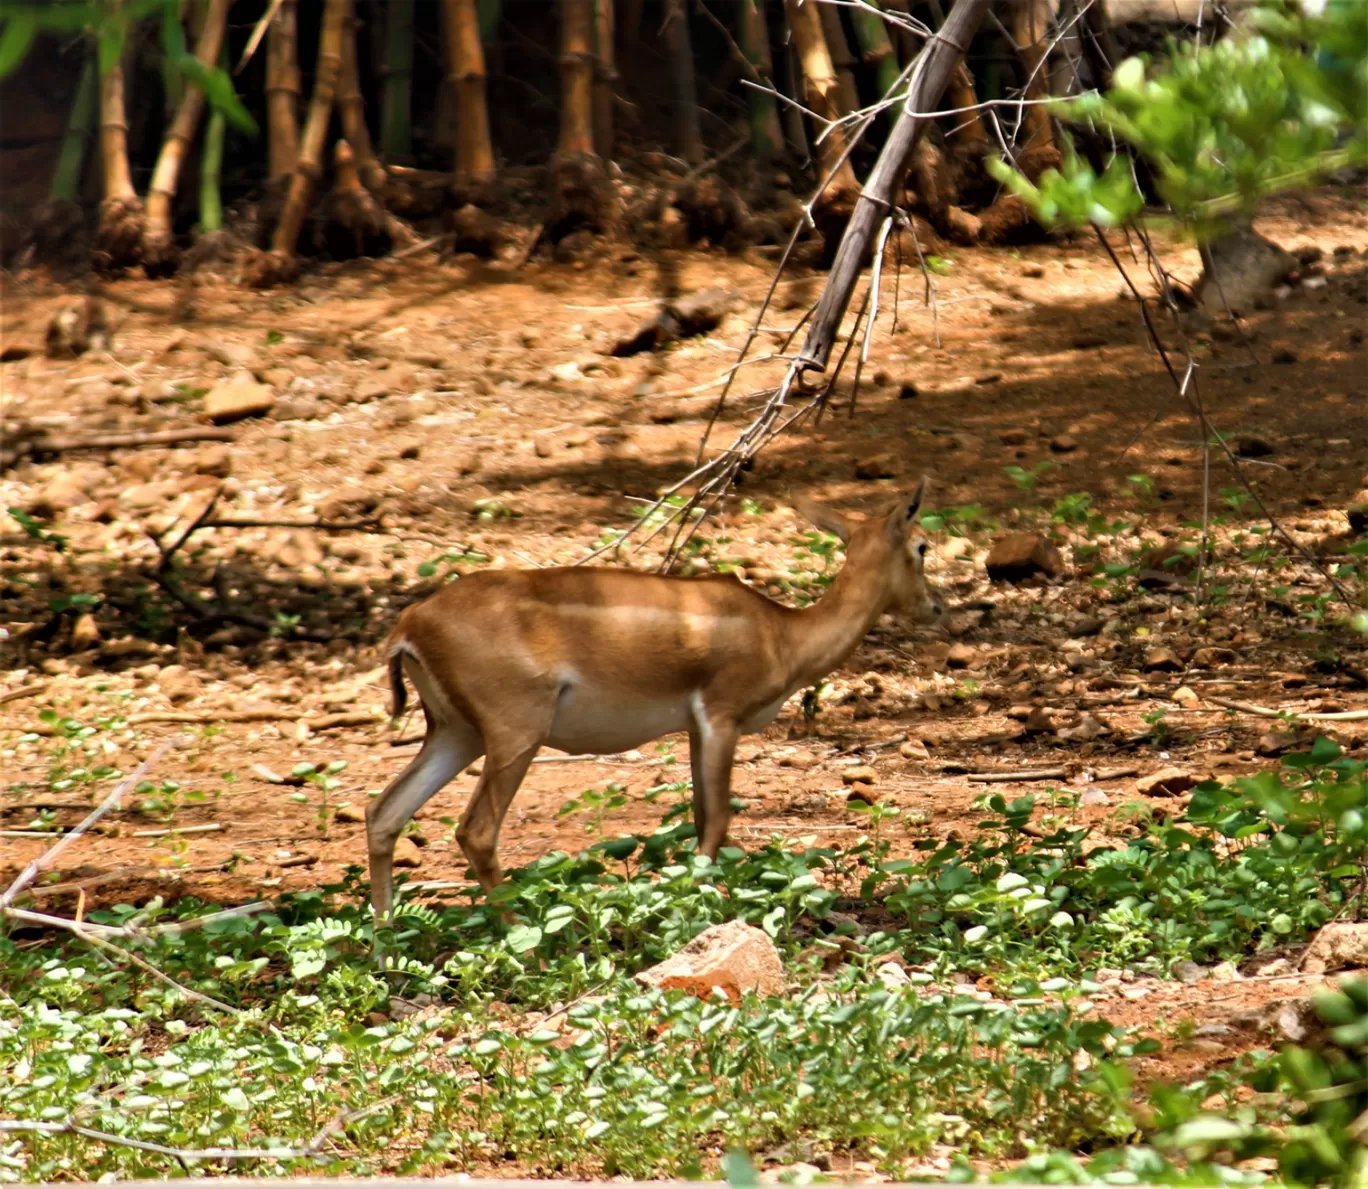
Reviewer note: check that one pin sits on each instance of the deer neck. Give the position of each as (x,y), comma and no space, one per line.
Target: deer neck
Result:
(830,630)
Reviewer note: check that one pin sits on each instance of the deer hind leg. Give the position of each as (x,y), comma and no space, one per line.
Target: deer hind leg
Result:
(507,759)
(448,748)
(699,777)
(718,750)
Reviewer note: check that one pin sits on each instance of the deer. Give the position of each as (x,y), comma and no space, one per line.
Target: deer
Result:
(601,660)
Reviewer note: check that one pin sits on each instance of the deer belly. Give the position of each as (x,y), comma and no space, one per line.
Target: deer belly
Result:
(593,722)
(762,718)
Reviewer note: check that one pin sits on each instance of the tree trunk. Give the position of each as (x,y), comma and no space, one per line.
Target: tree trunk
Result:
(928,84)
(605,76)
(396,108)
(823,98)
(282,90)
(160,256)
(280,263)
(767,136)
(1031,31)
(118,238)
(579,191)
(679,49)
(842,60)
(351,108)
(466,77)
(211,165)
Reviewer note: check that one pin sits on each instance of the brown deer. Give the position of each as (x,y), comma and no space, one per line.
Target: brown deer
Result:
(602,660)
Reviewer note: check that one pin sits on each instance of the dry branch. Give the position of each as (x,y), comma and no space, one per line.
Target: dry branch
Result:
(38,445)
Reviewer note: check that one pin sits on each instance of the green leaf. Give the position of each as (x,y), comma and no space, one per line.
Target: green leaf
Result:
(218,90)
(523,938)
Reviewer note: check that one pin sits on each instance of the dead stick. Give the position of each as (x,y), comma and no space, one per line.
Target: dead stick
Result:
(118,441)
(1268,712)
(1009,777)
(24,691)
(48,857)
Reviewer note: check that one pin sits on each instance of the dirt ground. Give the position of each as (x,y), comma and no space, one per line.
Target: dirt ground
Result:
(466,407)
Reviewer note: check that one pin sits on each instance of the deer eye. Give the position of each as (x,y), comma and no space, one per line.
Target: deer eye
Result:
(921,549)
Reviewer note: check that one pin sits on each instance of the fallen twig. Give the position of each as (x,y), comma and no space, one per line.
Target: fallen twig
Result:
(39,446)
(24,691)
(1268,712)
(1011,777)
(182,1154)
(210,828)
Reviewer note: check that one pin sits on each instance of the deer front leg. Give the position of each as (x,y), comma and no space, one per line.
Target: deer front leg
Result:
(446,750)
(719,749)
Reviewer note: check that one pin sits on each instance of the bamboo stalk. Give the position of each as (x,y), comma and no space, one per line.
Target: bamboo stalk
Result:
(577,78)
(605,75)
(119,236)
(876,46)
(841,58)
(795,132)
(282,90)
(351,107)
(211,166)
(308,166)
(466,75)
(158,247)
(969,127)
(679,48)
(767,136)
(1030,30)
(66,178)
(396,141)
(823,94)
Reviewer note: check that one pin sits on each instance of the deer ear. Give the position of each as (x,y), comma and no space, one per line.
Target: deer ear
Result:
(903,516)
(827,519)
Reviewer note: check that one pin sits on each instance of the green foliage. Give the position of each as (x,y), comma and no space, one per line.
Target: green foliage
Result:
(112,25)
(1221,125)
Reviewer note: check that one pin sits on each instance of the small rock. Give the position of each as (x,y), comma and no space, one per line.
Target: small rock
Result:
(1063,444)
(1252,446)
(406,853)
(1032,270)
(59,494)
(1039,722)
(178,685)
(1012,437)
(1189,972)
(1339,946)
(988,378)
(85,633)
(960,656)
(349,813)
(1211,658)
(1085,730)
(238,397)
(1284,355)
(1167,782)
(1093,797)
(908,391)
(1185,696)
(1274,743)
(879,466)
(214,460)
(913,749)
(860,774)
(149,495)
(296,408)
(1022,555)
(734,956)
(1358,513)
(1162,660)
